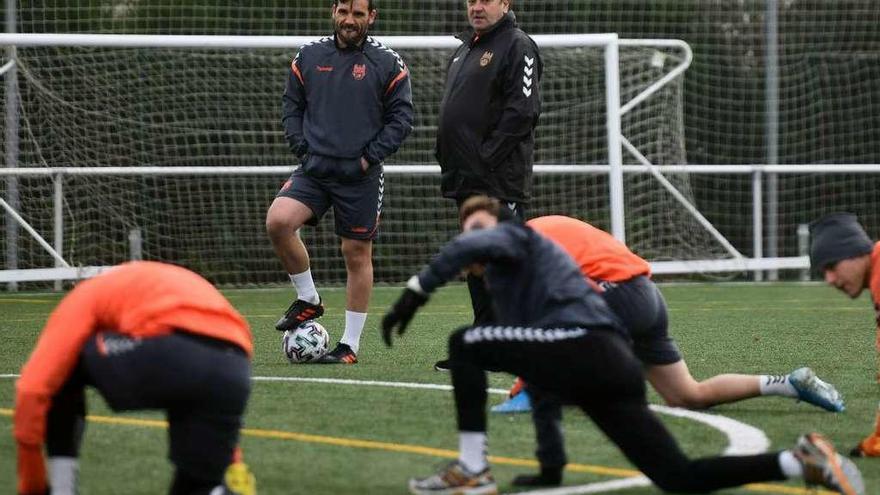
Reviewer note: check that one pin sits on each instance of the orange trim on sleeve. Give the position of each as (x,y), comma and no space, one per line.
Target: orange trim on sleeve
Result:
(396,80)
(297,73)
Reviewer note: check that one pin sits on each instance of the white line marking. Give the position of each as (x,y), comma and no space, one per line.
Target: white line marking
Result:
(742,439)
(600,487)
(368,383)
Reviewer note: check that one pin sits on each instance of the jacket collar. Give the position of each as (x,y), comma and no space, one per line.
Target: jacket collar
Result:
(506,22)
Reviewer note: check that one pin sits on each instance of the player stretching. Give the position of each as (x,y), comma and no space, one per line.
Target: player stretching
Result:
(844,254)
(624,282)
(557,333)
(146,335)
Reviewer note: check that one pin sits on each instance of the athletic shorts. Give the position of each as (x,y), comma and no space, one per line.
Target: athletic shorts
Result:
(355,195)
(641,308)
(202,383)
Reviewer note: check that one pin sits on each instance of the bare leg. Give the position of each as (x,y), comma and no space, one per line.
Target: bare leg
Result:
(284,218)
(358,256)
(679,389)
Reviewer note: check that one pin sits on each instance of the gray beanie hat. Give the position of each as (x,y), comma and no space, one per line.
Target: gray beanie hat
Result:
(836,237)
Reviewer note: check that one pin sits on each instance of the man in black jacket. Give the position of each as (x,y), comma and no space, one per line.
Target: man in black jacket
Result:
(491,104)
(557,333)
(347,106)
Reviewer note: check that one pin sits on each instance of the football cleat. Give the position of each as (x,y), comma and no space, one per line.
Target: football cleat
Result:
(519,403)
(813,390)
(341,354)
(299,312)
(442,365)
(869,447)
(455,479)
(823,466)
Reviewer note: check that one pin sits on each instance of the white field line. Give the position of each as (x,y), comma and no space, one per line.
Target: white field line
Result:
(600,487)
(365,383)
(742,439)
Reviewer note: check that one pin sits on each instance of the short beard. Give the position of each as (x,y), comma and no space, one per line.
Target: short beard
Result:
(361,36)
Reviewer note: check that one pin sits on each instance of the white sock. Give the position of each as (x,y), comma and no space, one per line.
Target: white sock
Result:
(354,325)
(776,385)
(305,286)
(62,475)
(472,446)
(790,466)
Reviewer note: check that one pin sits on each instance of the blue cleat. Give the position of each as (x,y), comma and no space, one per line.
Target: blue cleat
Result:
(813,390)
(519,403)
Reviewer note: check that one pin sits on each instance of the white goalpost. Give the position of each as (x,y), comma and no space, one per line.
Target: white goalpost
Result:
(169,147)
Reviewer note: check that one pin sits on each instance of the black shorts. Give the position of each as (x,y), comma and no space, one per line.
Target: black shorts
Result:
(203,384)
(642,310)
(355,195)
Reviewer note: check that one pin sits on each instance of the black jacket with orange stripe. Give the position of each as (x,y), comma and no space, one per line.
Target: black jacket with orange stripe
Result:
(347,103)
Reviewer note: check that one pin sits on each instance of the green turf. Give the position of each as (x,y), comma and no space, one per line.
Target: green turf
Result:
(770,328)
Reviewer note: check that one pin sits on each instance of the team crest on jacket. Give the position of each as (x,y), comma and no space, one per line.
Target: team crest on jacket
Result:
(486,58)
(359,71)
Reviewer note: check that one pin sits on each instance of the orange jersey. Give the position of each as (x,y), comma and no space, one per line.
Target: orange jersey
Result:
(874,285)
(598,254)
(139,299)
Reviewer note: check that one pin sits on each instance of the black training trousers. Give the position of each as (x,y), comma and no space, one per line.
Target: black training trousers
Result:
(202,383)
(597,371)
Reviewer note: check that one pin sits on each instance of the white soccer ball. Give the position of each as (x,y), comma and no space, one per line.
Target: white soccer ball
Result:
(306,342)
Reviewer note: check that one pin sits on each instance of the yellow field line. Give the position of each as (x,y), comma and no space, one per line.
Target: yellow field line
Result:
(420,450)
(28,301)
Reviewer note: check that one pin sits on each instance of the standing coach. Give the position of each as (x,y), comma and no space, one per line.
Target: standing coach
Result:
(490,106)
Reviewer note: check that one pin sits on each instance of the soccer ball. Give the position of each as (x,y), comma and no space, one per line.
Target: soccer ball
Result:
(306,342)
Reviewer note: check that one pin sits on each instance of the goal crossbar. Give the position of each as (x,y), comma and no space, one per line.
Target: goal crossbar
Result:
(610,42)
(248,42)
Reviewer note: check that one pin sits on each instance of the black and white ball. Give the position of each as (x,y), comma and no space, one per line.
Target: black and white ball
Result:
(306,342)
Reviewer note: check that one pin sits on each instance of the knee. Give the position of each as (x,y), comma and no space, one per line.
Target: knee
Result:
(278,225)
(687,402)
(688,398)
(357,253)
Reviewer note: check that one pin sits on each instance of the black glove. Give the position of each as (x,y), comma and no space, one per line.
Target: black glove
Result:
(401,313)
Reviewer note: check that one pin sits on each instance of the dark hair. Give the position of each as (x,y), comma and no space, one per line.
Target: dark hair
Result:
(478,203)
(369,4)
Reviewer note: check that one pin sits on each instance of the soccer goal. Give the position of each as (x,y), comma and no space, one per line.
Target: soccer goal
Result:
(122,147)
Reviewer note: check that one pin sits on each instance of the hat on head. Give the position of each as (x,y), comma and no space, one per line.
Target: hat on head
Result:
(836,237)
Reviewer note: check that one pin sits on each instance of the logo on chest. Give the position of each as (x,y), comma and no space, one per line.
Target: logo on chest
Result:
(486,59)
(359,71)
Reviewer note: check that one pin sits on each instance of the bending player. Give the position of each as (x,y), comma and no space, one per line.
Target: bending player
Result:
(557,333)
(146,335)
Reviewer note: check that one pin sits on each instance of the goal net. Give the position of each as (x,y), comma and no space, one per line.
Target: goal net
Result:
(175,154)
